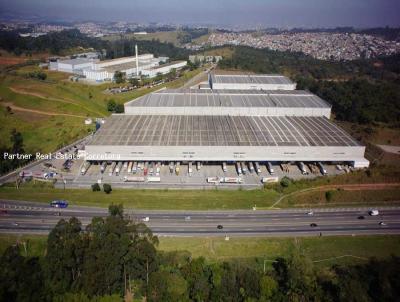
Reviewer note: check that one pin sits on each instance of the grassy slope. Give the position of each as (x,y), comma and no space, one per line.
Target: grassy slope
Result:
(255,250)
(56,95)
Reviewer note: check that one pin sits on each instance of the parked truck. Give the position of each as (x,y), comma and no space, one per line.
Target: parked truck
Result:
(232,180)
(244,168)
(270,168)
(190,169)
(153,178)
(85,167)
(177,168)
(134,179)
(224,168)
(214,180)
(130,164)
(171,167)
(302,168)
(103,167)
(112,168)
(322,168)
(118,168)
(251,167)
(239,169)
(257,166)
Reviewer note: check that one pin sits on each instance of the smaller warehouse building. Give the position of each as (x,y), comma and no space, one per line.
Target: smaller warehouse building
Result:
(75,66)
(230,102)
(251,82)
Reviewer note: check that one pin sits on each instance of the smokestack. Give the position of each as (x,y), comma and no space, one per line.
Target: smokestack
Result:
(137,61)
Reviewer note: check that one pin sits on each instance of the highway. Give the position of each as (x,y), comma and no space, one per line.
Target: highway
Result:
(21,217)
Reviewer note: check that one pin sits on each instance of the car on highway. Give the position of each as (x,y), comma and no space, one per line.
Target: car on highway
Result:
(310,213)
(220,227)
(146,219)
(59,204)
(382,223)
(187,218)
(361,217)
(15,224)
(3,211)
(373,212)
(313,225)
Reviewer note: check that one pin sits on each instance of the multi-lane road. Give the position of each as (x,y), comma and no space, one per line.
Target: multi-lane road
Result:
(38,218)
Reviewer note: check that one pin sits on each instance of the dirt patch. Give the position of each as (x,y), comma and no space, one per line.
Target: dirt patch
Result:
(16,108)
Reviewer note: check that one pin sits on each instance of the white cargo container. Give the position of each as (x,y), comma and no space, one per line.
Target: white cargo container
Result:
(153,178)
(234,180)
(269,179)
(214,180)
(134,179)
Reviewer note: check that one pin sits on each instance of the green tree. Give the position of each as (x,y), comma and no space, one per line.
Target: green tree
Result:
(96,187)
(107,188)
(119,108)
(64,258)
(111,105)
(119,77)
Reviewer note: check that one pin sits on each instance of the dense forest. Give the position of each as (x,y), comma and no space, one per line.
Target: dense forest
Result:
(363,91)
(114,258)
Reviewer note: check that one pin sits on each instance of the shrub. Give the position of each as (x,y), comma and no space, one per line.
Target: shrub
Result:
(329,195)
(285,182)
(107,188)
(96,187)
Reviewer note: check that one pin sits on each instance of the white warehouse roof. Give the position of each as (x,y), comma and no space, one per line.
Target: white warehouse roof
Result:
(229,98)
(250,79)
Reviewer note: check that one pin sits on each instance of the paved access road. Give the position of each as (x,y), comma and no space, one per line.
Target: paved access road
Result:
(38,218)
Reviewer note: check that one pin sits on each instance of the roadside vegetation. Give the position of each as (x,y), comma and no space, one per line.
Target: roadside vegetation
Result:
(114,259)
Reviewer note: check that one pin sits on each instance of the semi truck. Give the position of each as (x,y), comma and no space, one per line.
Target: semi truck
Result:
(232,180)
(239,169)
(171,167)
(118,168)
(302,168)
(190,169)
(112,168)
(244,168)
(134,179)
(129,170)
(103,167)
(251,167)
(224,167)
(177,168)
(322,168)
(153,178)
(85,167)
(257,166)
(270,168)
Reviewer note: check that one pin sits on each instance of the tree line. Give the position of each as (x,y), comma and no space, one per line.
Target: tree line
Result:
(57,42)
(363,91)
(116,259)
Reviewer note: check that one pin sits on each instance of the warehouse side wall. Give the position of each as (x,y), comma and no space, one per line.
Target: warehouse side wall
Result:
(225,153)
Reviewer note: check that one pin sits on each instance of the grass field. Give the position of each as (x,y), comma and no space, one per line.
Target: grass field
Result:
(51,113)
(149,199)
(254,251)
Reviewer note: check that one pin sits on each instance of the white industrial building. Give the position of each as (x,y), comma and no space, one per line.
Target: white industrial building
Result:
(225,125)
(229,102)
(250,82)
(75,66)
(94,70)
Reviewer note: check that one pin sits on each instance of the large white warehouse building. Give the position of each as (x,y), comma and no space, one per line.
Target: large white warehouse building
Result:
(229,102)
(225,125)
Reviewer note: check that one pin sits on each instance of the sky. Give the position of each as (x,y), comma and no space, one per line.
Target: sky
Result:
(263,13)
